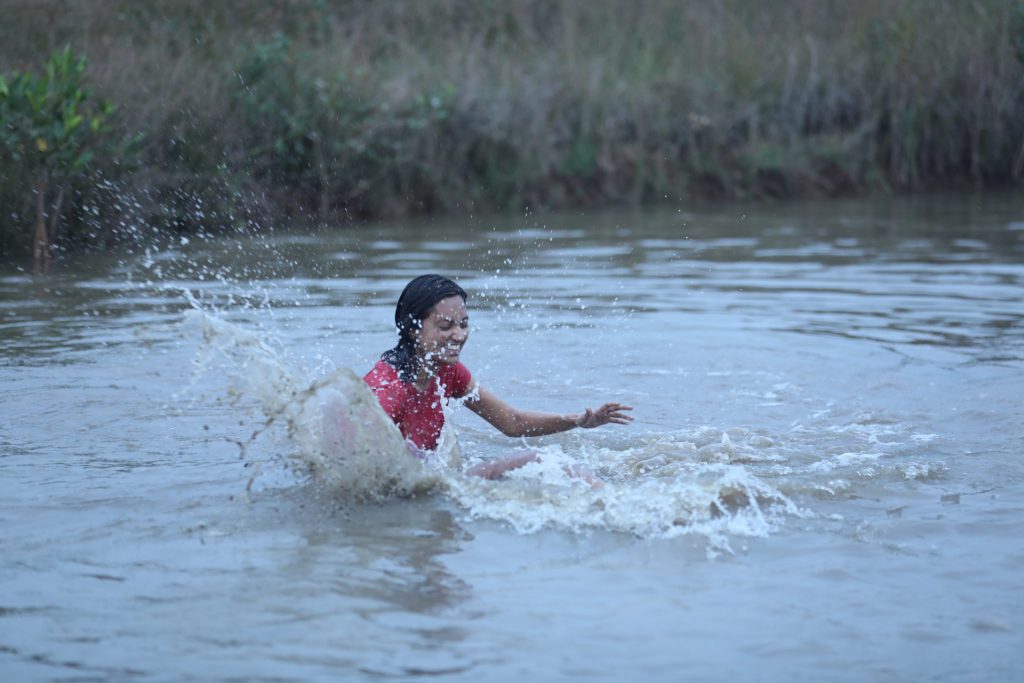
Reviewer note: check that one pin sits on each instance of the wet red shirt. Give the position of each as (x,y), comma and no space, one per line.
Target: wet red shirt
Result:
(418,414)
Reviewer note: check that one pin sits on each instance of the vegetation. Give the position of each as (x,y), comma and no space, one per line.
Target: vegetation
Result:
(49,134)
(344,109)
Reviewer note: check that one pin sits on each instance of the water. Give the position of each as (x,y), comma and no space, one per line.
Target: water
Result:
(823,481)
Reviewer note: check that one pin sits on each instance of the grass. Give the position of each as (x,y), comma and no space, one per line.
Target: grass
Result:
(332,111)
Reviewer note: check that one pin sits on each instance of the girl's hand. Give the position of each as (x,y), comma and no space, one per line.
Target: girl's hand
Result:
(608,413)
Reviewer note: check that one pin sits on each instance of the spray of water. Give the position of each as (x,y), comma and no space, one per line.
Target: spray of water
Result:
(337,430)
(659,486)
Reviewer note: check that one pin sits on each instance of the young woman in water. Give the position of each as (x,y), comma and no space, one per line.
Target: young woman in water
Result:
(423,369)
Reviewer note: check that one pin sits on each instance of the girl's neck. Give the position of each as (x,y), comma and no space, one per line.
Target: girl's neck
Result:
(424,376)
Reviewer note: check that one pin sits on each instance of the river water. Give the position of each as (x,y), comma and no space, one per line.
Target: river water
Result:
(823,481)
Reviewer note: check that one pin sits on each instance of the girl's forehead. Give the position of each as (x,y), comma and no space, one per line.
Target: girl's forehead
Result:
(452,308)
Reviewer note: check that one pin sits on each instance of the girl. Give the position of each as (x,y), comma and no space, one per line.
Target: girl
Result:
(423,369)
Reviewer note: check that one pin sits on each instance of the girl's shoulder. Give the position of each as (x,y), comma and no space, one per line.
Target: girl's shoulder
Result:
(456,380)
(381,374)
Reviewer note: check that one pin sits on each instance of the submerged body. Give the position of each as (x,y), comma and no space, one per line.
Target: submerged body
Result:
(418,414)
(422,371)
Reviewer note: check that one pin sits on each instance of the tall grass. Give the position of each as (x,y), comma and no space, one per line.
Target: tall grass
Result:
(350,108)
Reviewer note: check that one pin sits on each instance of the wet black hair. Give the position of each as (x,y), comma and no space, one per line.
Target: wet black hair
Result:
(414,305)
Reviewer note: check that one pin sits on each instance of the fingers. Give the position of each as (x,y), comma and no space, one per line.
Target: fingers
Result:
(614,413)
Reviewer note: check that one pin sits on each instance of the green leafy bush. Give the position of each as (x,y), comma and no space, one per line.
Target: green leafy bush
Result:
(264,112)
(329,137)
(51,131)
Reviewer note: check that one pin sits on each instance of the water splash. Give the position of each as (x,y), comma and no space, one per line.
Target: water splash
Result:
(335,425)
(716,501)
(661,486)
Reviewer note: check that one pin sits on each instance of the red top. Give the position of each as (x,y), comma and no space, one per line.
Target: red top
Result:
(418,414)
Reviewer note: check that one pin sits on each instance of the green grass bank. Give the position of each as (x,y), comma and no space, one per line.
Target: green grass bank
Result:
(256,111)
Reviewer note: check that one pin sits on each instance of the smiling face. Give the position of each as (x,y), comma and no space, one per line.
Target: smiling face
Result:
(444,332)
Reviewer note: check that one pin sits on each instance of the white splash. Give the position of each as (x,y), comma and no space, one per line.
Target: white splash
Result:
(664,485)
(337,427)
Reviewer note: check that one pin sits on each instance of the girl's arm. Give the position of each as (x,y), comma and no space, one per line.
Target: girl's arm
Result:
(496,468)
(512,422)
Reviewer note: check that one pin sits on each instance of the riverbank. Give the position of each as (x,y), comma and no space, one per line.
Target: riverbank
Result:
(256,112)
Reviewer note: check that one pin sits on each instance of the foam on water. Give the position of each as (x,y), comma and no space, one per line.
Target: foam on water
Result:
(686,497)
(658,485)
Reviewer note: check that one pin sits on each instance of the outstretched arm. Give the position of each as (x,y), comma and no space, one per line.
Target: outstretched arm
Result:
(512,422)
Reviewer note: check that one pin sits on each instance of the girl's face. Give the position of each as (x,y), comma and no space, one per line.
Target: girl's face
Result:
(444,332)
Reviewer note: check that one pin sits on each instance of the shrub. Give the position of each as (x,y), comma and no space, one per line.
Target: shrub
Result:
(51,132)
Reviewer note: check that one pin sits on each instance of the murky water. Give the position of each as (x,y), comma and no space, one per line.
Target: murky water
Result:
(823,482)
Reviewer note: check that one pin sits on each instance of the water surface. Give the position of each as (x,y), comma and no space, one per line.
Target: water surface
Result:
(823,481)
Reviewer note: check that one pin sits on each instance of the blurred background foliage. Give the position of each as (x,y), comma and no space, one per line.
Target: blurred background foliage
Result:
(248,112)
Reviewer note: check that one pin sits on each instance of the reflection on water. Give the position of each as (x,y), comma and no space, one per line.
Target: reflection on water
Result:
(395,581)
(397,559)
(936,272)
(384,568)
